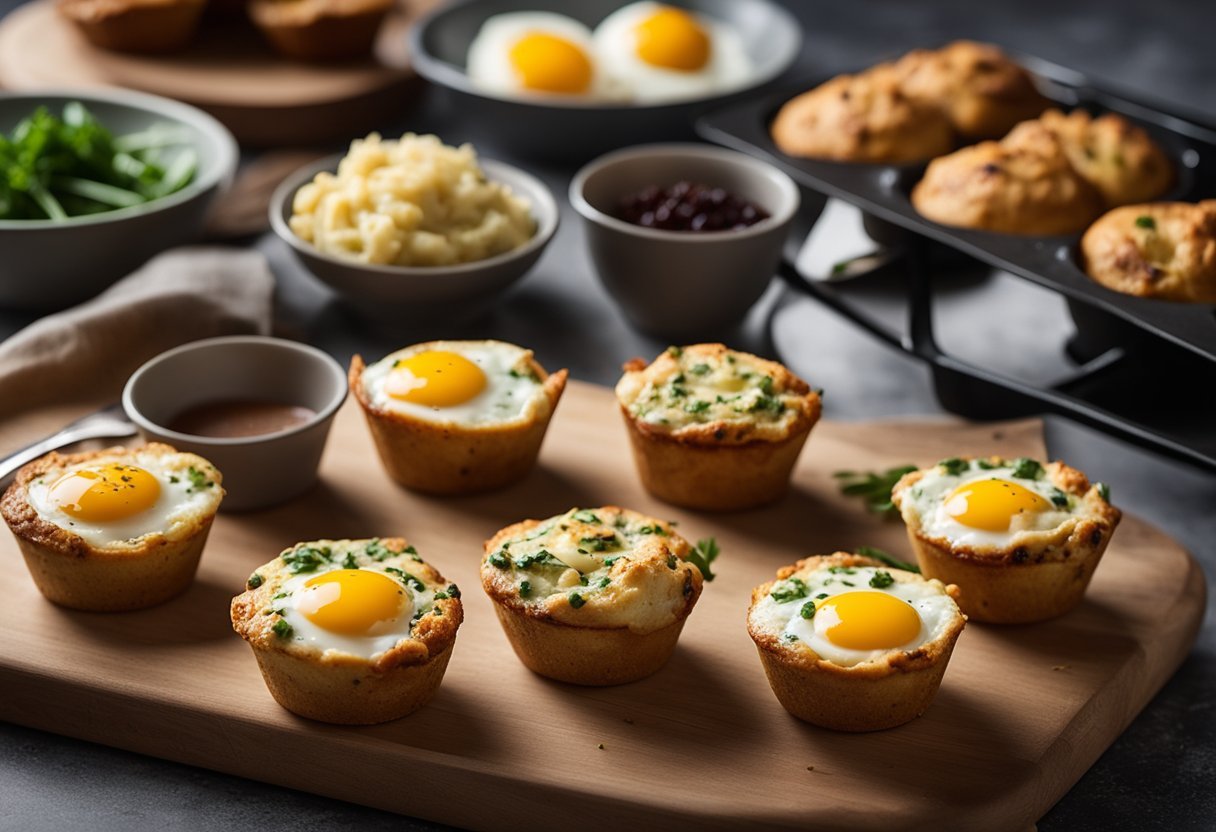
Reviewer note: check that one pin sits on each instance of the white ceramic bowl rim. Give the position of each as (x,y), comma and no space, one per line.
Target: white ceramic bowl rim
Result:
(219,173)
(323,358)
(778,215)
(447,74)
(546,217)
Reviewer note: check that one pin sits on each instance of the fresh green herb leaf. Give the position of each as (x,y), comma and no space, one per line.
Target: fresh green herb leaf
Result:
(1058,498)
(305,559)
(499,560)
(874,488)
(807,610)
(954,465)
(703,555)
(525,589)
(406,578)
(697,406)
(985,464)
(1025,468)
(1145,221)
(654,528)
(586,516)
(282,629)
(349,561)
(198,480)
(887,558)
(699,369)
(600,543)
(604,582)
(881,579)
(675,352)
(255,581)
(790,589)
(1103,491)
(766,385)
(577,600)
(377,551)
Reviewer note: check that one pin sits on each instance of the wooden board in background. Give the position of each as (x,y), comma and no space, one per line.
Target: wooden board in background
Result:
(1023,711)
(228,70)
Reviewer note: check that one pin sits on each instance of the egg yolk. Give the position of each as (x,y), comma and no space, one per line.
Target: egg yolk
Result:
(867,620)
(549,63)
(992,504)
(105,494)
(435,378)
(351,602)
(671,38)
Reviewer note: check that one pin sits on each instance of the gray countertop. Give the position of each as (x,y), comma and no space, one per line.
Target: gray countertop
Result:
(1157,775)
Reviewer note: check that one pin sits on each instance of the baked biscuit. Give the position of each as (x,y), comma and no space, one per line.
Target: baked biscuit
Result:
(982,91)
(1114,155)
(113,530)
(593,596)
(1021,540)
(1160,250)
(1023,184)
(715,429)
(850,644)
(862,118)
(353,632)
(320,30)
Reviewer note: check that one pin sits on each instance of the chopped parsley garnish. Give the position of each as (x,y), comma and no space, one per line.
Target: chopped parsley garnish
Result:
(542,558)
(499,560)
(198,480)
(608,561)
(586,516)
(525,589)
(306,559)
(577,600)
(788,590)
(790,637)
(873,487)
(529,374)
(452,591)
(1103,491)
(1025,468)
(255,581)
(697,406)
(172,479)
(985,465)
(703,554)
(412,552)
(604,582)
(377,551)
(653,529)
(406,578)
(765,402)
(766,385)
(600,543)
(836,570)
(282,629)
(1058,498)
(672,561)
(807,610)
(1145,221)
(349,561)
(881,579)
(954,465)
(888,559)
(699,369)
(675,352)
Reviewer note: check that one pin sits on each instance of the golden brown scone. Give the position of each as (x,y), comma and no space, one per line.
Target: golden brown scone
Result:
(839,656)
(982,91)
(593,596)
(113,530)
(1023,184)
(353,632)
(862,118)
(1159,250)
(713,428)
(1020,539)
(320,30)
(145,26)
(489,441)
(1114,155)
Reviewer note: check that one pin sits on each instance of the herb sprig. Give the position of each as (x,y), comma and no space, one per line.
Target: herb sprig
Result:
(873,487)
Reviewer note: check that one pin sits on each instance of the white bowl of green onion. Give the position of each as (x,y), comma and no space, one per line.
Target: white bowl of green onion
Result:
(93,183)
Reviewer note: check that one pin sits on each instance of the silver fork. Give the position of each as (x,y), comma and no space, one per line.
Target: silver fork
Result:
(108,423)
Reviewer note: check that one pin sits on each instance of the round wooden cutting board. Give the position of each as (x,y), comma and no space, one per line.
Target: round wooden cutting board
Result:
(227,70)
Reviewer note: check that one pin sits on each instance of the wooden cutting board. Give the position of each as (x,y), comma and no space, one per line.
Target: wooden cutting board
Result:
(1023,711)
(228,70)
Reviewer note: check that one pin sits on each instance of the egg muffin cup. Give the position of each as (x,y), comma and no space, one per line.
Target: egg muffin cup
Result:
(72,572)
(1036,576)
(332,685)
(139,26)
(320,30)
(870,696)
(721,456)
(615,620)
(452,459)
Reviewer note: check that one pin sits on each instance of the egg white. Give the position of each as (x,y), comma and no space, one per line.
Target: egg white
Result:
(386,635)
(934,607)
(729,66)
(928,499)
(505,398)
(489,64)
(179,505)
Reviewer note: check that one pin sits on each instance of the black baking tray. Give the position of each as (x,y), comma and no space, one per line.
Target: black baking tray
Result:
(1163,349)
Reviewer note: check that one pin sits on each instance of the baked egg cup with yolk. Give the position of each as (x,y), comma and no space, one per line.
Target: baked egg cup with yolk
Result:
(889,634)
(593,596)
(715,429)
(1021,540)
(353,632)
(457,417)
(113,530)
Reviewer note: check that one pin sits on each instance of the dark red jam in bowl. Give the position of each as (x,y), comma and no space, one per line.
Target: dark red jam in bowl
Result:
(689,206)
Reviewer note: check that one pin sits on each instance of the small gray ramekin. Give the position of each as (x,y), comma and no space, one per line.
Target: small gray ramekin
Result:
(259,471)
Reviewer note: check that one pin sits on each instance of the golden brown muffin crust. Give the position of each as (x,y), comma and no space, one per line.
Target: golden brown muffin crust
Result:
(1116,156)
(1160,250)
(862,118)
(1023,184)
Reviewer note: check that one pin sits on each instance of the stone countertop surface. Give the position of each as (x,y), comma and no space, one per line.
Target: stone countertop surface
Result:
(1157,775)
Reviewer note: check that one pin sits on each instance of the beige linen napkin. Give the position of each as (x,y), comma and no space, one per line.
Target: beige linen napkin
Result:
(85,354)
